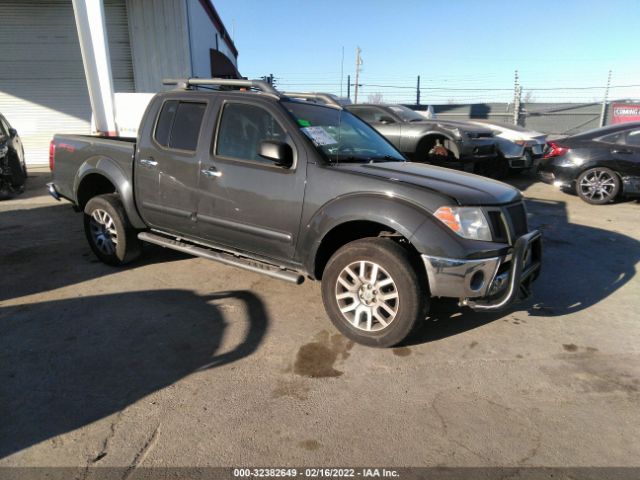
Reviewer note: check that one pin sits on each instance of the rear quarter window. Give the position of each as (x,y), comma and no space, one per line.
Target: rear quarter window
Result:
(633,138)
(612,138)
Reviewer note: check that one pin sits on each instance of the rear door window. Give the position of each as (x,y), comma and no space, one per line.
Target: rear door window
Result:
(165,121)
(179,125)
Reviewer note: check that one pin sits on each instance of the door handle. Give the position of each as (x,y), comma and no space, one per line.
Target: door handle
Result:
(148,162)
(621,150)
(211,172)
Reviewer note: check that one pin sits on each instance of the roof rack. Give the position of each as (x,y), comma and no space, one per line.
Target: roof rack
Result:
(259,85)
(323,97)
(185,83)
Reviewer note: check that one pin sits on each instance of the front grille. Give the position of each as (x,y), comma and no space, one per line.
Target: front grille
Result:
(518,216)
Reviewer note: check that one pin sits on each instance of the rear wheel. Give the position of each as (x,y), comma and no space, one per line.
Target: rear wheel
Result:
(373,293)
(598,185)
(108,231)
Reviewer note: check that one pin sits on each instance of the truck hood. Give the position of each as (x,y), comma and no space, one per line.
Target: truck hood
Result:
(464,188)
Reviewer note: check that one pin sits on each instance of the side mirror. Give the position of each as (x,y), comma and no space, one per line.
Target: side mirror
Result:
(279,152)
(387,120)
(13,132)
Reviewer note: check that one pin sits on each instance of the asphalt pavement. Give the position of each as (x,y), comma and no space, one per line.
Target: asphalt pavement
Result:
(179,361)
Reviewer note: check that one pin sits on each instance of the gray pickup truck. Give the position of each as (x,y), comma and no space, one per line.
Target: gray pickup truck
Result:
(295,188)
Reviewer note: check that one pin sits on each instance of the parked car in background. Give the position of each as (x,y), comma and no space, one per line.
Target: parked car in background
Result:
(13,169)
(599,165)
(518,146)
(441,142)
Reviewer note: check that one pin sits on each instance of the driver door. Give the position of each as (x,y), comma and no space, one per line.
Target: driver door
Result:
(263,202)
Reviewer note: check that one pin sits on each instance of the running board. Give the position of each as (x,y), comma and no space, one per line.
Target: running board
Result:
(223,257)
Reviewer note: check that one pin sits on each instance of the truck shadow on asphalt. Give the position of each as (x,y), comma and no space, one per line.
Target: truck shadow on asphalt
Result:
(581,266)
(44,248)
(70,362)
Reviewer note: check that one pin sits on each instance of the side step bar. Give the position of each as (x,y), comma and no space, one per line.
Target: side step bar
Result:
(223,257)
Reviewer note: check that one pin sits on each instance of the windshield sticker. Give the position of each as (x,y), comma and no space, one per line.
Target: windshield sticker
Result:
(304,123)
(319,136)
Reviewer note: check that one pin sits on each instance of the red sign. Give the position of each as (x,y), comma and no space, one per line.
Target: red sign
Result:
(625,112)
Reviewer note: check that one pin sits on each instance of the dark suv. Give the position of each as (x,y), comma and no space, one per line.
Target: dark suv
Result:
(277,184)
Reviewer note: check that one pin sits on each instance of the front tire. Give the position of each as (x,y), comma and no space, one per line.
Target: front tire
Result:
(110,235)
(598,186)
(372,292)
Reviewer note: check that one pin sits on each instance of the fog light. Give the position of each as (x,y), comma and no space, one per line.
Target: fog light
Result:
(558,183)
(477,281)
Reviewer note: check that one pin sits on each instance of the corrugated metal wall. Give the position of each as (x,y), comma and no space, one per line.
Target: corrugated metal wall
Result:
(42,84)
(159,34)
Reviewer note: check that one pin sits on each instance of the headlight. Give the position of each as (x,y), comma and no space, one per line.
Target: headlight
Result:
(468,222)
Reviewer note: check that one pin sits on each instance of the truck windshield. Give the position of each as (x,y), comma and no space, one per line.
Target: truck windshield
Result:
(340,136)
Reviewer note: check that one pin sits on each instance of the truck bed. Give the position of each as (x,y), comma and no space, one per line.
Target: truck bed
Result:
(76,155)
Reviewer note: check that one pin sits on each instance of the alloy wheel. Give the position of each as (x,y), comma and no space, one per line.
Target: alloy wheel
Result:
(367,296)
(598,185)
(103,232)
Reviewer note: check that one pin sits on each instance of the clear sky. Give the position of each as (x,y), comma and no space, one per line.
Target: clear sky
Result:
(457,47)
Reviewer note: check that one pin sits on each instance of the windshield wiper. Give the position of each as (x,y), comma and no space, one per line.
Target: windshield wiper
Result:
(353,159)
(386,158)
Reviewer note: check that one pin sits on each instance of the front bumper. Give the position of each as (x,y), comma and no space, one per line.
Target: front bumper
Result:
(488,283)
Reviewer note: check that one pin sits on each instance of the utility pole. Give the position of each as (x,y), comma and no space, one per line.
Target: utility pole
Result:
(603,113)
(358,64)
(418,92)
(342,71)
(517,91)
(349,87)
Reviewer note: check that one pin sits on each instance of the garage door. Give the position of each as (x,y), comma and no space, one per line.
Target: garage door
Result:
(42,85)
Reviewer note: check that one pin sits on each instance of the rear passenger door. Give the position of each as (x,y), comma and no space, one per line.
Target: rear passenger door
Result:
(262,201)
(167,167)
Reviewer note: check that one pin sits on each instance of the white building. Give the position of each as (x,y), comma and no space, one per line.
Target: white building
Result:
(43,89)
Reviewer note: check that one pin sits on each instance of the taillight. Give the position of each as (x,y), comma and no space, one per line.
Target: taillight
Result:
(52,155)
(555,150)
